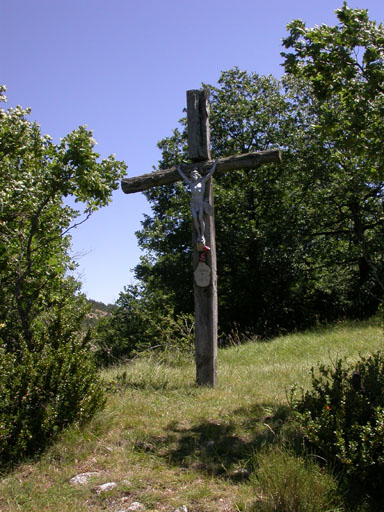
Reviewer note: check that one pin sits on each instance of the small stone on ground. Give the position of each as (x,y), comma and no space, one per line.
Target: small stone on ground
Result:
(106,487)
(82,478)
(135,506)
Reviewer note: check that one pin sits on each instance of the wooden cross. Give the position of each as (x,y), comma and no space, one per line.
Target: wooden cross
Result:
(205,288)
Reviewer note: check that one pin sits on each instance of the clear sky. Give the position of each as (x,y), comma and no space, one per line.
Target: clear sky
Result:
(123,68)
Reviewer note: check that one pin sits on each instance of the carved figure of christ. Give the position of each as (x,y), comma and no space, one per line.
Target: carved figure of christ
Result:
(199,206)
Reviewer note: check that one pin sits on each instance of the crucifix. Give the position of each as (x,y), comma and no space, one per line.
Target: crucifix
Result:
(198,176)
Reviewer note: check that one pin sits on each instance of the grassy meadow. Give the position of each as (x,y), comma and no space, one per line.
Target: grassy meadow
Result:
(167,443)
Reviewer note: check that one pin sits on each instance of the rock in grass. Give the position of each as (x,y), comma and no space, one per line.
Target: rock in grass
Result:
(135,506)
(82,478)
(105,487)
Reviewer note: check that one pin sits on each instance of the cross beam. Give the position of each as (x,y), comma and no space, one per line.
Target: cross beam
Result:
(204,247)
(246,161)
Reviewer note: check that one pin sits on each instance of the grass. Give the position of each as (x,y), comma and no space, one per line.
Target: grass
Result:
(167,443)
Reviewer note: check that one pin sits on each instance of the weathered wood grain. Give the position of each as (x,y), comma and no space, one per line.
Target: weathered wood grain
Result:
(198,125)
(206,306)
(205,297)
(167,176)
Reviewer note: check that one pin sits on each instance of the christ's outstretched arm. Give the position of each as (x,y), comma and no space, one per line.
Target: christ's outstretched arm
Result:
(211,171)
(183,175)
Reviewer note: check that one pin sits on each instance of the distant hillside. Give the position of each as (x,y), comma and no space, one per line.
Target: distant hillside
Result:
(98,310)
(100,306)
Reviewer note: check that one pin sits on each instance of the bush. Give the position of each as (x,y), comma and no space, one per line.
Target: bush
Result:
(48,378)
(342,417)
(139,322)
(41,392)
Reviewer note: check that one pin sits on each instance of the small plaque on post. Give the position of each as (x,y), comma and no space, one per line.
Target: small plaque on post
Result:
(202,275)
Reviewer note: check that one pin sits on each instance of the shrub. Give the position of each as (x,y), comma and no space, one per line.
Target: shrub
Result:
(47,377)
(342,417)
(43,390)
(140,322)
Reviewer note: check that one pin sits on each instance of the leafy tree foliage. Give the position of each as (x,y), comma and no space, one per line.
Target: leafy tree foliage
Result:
(246,114)
(49,379)
(301,241)
(288,236)
(343,68)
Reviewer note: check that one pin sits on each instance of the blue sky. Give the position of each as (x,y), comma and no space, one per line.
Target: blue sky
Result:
(123,68)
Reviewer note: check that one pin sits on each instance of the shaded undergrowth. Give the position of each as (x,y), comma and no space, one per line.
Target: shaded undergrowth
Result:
(222,448)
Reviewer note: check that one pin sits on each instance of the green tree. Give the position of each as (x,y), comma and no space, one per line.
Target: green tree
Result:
(288,252)
(343,69)
(49,378)
(256,230)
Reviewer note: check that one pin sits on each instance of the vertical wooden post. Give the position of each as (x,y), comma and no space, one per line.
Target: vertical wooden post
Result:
(205,297)
(198,125)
